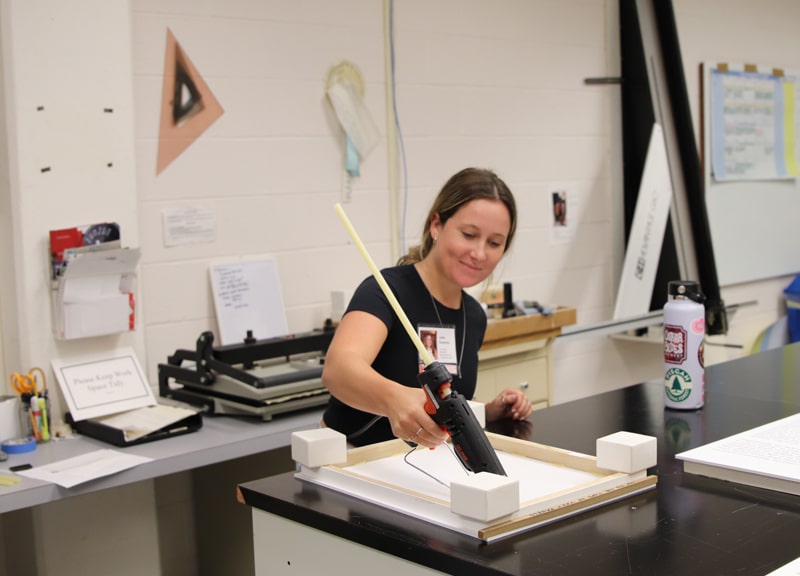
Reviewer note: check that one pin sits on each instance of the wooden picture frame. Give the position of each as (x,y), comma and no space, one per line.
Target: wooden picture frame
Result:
(374,473)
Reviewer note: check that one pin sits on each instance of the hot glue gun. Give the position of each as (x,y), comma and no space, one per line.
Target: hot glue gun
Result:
(452,411)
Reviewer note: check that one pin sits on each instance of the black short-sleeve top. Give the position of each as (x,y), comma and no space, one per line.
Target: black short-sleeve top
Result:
(398,358)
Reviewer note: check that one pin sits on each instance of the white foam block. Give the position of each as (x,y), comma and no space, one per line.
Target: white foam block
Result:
(318,447)
(484,496)
(479,409)
(626,452)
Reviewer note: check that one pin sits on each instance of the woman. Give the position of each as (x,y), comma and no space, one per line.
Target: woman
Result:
(371,366)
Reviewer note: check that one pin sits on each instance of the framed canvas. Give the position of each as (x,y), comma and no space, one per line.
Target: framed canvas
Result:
(553,483)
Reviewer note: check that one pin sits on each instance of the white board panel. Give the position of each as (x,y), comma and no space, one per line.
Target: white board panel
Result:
(647,232)
(247,296)
(755,224)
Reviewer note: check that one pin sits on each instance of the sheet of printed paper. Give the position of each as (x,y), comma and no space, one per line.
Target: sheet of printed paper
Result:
(771,450)
(80,469)
(103,385)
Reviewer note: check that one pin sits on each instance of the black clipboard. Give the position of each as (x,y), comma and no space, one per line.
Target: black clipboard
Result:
(116,436)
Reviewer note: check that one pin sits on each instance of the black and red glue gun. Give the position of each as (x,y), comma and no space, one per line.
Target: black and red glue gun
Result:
(451,410)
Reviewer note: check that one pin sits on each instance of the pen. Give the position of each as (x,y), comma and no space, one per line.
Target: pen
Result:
(36,418)
(33,424)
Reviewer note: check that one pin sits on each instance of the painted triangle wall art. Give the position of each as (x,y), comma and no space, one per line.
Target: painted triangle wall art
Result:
(188,107)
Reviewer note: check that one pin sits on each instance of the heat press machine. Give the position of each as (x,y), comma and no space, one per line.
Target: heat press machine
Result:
(256,377)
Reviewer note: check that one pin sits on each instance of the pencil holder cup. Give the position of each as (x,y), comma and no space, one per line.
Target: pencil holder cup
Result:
(25,423)
(35,417)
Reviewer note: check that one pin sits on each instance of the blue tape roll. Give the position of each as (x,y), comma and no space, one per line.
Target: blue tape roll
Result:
(19,445)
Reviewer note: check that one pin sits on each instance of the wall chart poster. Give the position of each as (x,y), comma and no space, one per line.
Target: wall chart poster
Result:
(753,135)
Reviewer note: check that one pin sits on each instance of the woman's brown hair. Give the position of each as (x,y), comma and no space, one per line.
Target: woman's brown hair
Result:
(463,187)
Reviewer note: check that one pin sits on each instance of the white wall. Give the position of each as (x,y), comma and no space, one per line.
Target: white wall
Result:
(69,162)
(717,31)
(737,32)
(478,83)
(498,86)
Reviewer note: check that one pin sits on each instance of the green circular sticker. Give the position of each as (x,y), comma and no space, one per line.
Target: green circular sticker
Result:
(677,384)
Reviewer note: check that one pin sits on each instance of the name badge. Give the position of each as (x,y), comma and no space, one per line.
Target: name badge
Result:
(440,342)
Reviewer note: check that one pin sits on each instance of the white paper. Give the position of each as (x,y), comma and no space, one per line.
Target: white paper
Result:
(74,471)
(790,569)
(771,450)
(94,295)
(103,263)
(103,385)
(91,289)
(143,421)
(102,316)
(190,225)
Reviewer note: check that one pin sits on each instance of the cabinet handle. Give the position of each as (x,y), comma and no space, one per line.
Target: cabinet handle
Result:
(523,385)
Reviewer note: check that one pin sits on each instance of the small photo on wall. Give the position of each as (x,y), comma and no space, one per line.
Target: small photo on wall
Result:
(563,204)
(560,208)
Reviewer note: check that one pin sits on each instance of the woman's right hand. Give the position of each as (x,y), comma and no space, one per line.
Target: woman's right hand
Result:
(411,422)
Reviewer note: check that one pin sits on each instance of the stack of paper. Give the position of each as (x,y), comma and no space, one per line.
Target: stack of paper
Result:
(765,457)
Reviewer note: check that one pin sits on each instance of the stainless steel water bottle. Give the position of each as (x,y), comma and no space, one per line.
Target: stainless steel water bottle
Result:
(684,335)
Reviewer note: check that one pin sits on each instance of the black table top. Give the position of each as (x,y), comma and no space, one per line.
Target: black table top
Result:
(687,525)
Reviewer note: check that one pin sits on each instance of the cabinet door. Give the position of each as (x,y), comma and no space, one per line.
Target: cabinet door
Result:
(530,374)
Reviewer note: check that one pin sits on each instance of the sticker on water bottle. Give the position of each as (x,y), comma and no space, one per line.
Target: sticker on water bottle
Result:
(677,384)
(674,344)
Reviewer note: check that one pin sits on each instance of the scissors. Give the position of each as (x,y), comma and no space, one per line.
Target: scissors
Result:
(27,384)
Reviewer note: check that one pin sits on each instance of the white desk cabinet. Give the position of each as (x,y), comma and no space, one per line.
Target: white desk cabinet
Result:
(516,353)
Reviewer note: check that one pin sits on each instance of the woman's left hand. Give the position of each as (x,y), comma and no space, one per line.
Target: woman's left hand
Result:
(509,403)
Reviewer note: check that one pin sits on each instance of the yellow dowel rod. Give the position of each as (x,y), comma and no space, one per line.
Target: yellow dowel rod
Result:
(426,357)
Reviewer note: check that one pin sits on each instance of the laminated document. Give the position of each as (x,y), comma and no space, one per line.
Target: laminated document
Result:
(110,399)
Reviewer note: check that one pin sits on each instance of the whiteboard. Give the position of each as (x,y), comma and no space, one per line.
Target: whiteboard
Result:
(754,223)
(247,296)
